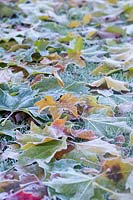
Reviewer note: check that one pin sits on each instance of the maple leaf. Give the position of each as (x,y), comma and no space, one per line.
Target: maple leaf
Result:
(97,146)
(57,128)
(74,51)
(83,134)
(48,101)
(66,103)
(109,83)
(91,105)
(116,169)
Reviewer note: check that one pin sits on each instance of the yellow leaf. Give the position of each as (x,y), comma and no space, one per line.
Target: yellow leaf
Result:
(102,69)
(116,169)
(87,19)
(44,17)
(54,57)
(129,73)
(91,34)
(130,16)
(91,106)
(74,24)
(109,83)
(48,101)
(76,57)
(112,1)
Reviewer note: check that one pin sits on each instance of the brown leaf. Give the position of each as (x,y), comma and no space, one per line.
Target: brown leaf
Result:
(37,78)
(56,75)
(59,154)
(83,134)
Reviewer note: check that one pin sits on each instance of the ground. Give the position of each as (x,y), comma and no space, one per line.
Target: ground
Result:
(66,99)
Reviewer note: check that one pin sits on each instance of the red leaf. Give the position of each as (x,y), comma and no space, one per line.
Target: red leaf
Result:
(21,195)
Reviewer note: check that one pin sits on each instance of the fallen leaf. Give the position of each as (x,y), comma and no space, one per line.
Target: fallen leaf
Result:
(83,134)
(69,148)
(56,75)
(112,1)
(43,151)
(66,103)
(22,195)
(105,34)
(102,69)
(87,19)
(74,24)
(48,101)
(74,52)
(109,83)
(72,184)
(97,146)
(5,75)
(116,169)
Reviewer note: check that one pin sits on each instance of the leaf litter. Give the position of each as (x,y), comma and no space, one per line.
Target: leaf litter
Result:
(66,99)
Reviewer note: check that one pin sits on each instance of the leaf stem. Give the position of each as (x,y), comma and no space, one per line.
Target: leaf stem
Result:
(5,120)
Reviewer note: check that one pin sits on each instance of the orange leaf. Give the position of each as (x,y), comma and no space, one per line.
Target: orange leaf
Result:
(59,123)
(48,101)
(57,128)
(66,103)
(83,134)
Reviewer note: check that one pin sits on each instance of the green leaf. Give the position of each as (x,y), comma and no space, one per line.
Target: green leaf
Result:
(72,185)
(22,100)
(115,29)
(8,129)
(44,151)
(97,146)
(107,126)
(41,45)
